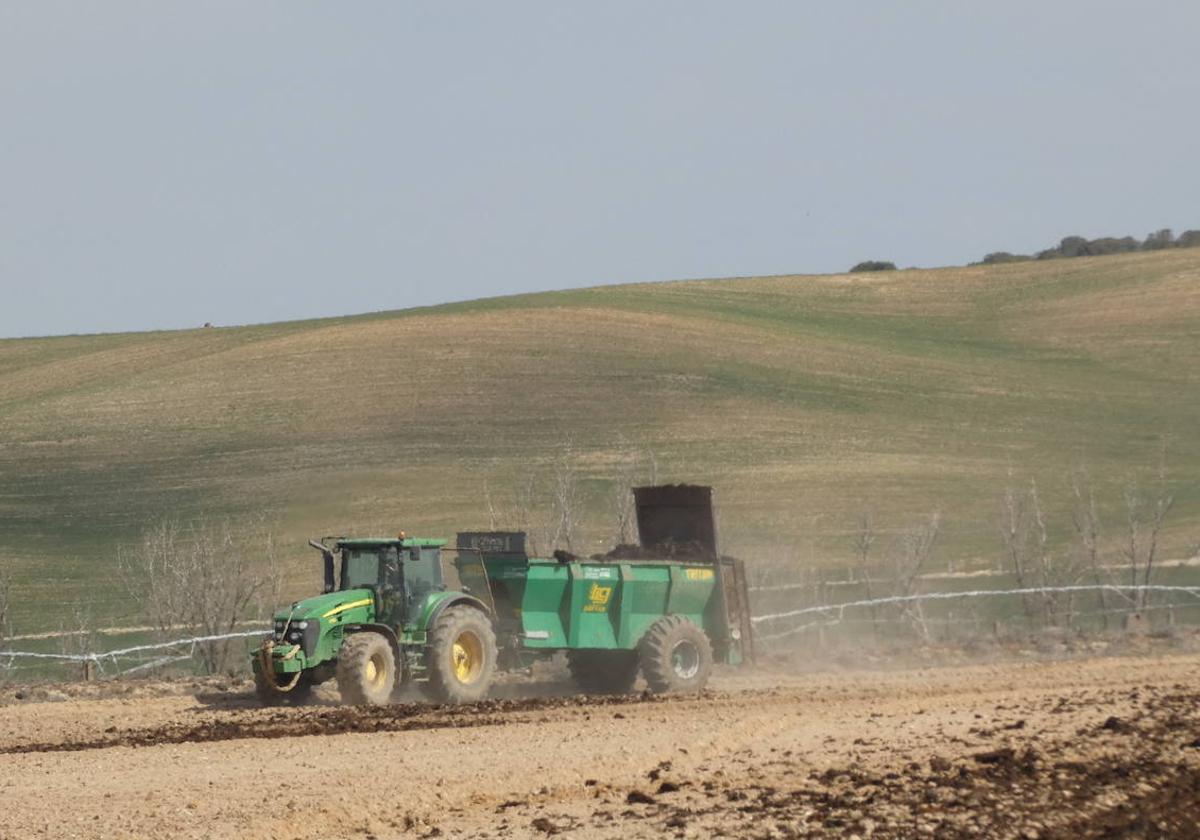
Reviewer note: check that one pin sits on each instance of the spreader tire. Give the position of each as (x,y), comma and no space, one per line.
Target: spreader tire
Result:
(604,671)
(366,670)
(460,656)
(675,655)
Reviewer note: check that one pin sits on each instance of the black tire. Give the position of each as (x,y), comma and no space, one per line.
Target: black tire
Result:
(604,671)
(269,695)
(461,656)
(675,655)
(366,670)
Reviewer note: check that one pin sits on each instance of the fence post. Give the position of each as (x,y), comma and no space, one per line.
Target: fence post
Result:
(89,670)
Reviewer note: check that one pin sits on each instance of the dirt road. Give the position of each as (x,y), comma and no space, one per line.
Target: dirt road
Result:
(1107,747)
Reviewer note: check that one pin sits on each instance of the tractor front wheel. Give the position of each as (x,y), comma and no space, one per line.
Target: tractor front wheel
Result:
(604,671)
(676,655)
(366,670)
(461,656)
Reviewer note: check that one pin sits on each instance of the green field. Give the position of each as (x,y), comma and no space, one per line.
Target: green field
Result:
(805,400)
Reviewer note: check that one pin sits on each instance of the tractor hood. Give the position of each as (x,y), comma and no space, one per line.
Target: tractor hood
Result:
(350,605)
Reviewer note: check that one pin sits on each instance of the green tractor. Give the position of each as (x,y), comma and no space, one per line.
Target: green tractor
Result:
(386,618)
(668,609)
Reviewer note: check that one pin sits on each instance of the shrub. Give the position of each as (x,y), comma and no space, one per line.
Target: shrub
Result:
(1159,240)
(1112,245)
(1073,246)
(873,265)
(997,257)
(1077,246)
(1188,239)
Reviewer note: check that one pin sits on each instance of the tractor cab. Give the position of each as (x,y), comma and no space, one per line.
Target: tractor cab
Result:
(399,572)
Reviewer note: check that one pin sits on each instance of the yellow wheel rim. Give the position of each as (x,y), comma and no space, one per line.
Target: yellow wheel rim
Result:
(376,669)
(467,655)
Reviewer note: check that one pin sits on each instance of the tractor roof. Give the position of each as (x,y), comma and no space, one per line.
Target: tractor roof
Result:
(405,542)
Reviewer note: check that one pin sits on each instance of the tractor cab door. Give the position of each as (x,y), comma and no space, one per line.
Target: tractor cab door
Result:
(390,595)
(422,575)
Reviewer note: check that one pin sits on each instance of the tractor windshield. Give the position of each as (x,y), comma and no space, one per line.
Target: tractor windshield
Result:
(360,569)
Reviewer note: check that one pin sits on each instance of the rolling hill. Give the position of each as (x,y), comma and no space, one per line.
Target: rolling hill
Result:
(806,400)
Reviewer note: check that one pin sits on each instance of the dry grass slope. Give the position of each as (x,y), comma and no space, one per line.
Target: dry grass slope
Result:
(804,399)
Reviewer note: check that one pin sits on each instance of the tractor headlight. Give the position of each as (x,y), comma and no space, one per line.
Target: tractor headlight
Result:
(303,625)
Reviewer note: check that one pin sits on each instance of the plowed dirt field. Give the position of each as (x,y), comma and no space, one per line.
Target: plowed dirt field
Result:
(1096,748)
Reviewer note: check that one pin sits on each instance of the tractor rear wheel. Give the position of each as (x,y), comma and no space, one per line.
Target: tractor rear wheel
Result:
(366,670)
(675,655)
(461,656)
(604,671)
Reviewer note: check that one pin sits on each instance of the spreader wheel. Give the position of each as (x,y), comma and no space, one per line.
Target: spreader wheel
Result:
(461,656)
(366,670)
(675,655)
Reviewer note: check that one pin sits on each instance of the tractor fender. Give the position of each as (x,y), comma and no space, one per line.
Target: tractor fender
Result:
(454,601)
(383,630)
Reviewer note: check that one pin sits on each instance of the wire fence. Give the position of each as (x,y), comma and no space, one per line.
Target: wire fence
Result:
(127,660)
(830,615)
(769,626)
(975,593)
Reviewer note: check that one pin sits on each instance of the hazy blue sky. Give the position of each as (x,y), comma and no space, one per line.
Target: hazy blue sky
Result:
(165,164)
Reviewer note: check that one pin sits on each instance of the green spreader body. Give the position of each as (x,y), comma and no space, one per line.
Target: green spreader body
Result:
(550,605)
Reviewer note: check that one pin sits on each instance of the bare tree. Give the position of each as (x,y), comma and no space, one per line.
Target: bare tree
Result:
(1086,520)
(5,625)
(517,512)
(624,512)
(912,555)
(1027,547)
(1052,574)
(77,635)
(566,499)
(546,503)
(202,580)
(636,466)
(1014,532)
(1144,516)
(864,541)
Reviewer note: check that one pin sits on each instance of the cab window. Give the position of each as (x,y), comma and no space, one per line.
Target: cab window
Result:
(423,572)
(361,569)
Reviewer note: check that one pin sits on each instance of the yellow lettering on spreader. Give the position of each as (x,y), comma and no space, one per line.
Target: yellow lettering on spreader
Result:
(598,597)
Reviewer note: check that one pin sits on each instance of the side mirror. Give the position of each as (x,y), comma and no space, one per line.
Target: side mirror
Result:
(327,555)
(330,583)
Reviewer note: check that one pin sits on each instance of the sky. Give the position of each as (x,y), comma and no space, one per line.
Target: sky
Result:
(165,164)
